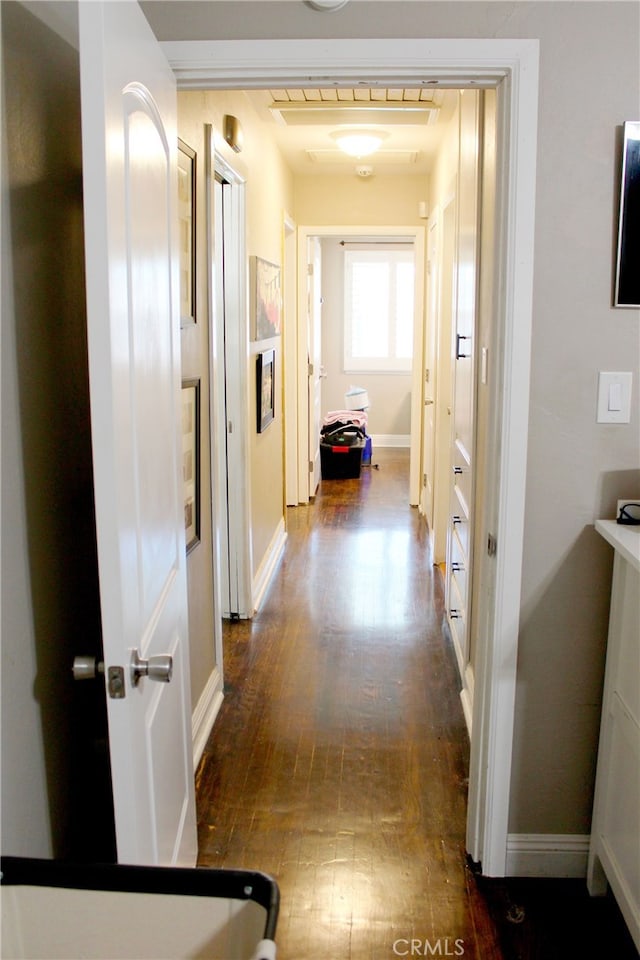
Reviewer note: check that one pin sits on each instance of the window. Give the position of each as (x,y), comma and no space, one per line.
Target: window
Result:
(378,309)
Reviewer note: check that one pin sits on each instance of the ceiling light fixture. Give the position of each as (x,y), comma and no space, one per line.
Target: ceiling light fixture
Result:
(359,143)
(327,5)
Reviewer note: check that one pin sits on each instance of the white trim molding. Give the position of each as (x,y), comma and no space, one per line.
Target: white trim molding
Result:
(547,855)
(205,713)
(390,440)
(268,565)
(247,64)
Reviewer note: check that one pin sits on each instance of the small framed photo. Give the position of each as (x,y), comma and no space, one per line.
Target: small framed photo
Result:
(265,389)
(266,307)
(191,460)
(187,232)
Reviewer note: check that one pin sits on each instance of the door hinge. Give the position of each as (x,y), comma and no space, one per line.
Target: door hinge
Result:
(310,369)
(492,545)
(427,375)
(310,269)
(424,479)
(310,466)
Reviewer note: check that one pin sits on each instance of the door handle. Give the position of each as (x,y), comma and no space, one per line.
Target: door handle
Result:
(159,668)
(428,403)
(461,350)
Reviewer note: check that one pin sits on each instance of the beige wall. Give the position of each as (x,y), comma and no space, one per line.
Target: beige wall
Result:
(195,365)
(589,80)
(350,200)
(269,194)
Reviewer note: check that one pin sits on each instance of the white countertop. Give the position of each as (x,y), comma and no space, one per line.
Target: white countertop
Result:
(624,539)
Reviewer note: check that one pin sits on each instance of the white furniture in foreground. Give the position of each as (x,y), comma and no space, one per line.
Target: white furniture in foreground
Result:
(614,854)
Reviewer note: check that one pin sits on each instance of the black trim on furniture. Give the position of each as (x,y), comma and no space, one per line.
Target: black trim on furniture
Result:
(183,881)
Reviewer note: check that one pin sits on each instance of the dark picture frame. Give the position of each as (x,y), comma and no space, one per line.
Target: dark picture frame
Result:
(266,302)
(191,461)
(265,388)
(187,232)
(627,281)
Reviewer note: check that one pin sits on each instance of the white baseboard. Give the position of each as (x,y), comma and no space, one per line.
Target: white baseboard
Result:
(467,709)
(547,855)
(205,714)
(390,440)
(268,565)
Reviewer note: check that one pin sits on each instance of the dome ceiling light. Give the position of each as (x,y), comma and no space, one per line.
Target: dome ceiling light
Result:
(359,142)
(326,5)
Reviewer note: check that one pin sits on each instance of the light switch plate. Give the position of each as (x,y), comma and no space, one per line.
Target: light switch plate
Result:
(614,397)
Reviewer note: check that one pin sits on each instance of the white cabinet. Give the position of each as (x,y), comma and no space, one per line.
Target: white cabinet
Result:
(614,854)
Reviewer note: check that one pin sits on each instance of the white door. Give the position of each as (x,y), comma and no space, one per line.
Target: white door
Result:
(316,373)
(130,193)
(430,362)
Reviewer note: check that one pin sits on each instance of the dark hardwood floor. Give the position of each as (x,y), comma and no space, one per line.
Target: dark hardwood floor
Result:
(339,760)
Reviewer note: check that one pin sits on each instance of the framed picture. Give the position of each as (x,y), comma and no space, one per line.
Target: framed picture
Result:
(191,460)
(266,308)
(265,388)
(187,232)
(627,285)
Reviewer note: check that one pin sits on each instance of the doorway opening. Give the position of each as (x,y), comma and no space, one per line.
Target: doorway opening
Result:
(511,68)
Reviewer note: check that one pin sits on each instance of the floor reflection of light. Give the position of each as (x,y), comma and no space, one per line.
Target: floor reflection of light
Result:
(374,589)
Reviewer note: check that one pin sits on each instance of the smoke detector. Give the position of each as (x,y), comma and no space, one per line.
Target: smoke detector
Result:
(364,171)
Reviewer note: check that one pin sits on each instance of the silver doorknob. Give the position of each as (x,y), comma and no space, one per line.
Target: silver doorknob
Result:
(86,668)
(159,668)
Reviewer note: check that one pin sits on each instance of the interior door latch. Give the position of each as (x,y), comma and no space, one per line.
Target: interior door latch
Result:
(87,668)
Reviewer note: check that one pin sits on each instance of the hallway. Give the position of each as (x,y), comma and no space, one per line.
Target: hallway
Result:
(339,760)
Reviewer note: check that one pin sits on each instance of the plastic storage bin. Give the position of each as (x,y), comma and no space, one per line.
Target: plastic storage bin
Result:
(60,910)
(341,453)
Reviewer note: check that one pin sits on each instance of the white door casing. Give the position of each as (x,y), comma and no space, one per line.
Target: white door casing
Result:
(228,286)
(443,386)
(290,358)
(133,317)
(430,375)
(314,358)
(512,67)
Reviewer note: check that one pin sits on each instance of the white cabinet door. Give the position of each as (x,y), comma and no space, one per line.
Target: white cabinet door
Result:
(130,193)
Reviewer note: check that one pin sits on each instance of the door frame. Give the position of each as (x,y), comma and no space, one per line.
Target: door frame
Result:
(229,366)
(512,67)
(418,237)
